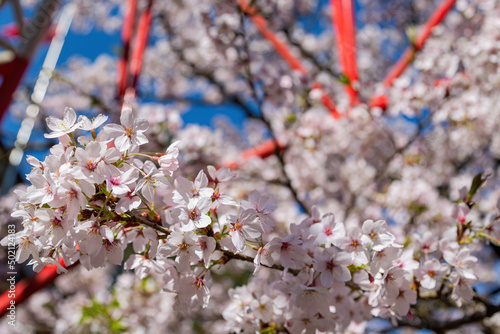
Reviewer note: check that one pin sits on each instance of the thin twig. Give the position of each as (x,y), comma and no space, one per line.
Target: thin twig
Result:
(151,224)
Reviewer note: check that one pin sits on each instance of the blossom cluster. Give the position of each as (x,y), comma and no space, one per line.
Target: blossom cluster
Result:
(96,196)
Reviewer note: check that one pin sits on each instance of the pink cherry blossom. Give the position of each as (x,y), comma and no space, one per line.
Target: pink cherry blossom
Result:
(288,250)
(375,235)
(63,126)
(88,125)
(430,272)
(243,227)
(195,214)
(327,231)
(333,266)
(130,132)
(168,162)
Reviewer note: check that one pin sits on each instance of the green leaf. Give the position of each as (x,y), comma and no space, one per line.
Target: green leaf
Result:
(117,327)
(417,208)
(93,311)
(411,33)
(354,268)
(103,313)
(477,182)
(95,101)
(268,330)
(344,79)
(291,118)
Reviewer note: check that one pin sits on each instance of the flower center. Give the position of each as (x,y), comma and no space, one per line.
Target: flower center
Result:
(115,180)
(193,214)
(129,131)
(91,165)
(330,265)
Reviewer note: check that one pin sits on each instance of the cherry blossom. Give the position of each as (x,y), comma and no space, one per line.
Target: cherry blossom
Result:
(242,228)
(168,162)
(263,206)
(152,179)
(288,250)
(198,188)
(131,132)
(89,125)
(375,235)
(327,231)
(183,246)
(353,244)
(333,266)
(430,272)
(195,214)
(63,126)
(407,296)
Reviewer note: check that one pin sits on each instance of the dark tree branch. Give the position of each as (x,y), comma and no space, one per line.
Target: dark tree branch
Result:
(440,326)
(311,57)
(251,82)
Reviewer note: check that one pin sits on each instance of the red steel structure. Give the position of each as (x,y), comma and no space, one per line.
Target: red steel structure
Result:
(283,50)
(130,64)
(344,26)
(31,35)
(409,54)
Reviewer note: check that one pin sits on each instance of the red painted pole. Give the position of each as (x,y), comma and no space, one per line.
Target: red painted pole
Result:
(433,21)
(338,25)
(127,30)
(140,43)
(350,39)
(419,42)
(344,26)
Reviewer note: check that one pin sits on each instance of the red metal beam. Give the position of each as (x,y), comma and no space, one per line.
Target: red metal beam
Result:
(130,64)
(419,42)
(140,43)
(127,30)
(29,286)
(338,25)
(409,54)
(350,39)
(263,150)
(285,53)
(280,47)
(13,72)
(344,26)
(433,21)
